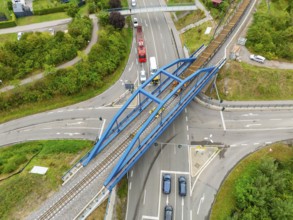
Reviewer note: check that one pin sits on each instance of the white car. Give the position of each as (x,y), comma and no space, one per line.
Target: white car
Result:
(142,76)
(135,22)
(19,34)
(257,58)
(133,3)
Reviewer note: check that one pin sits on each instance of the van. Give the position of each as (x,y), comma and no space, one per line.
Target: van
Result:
(153,69)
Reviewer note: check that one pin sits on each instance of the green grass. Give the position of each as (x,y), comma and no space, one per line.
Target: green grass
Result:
(7,37)
(241,81)
(225,200)
(22,193)
(42,4)
(4,9)
(190,18)
(41,18)
(121,204)
(58,102)
(179,2)
(195,37)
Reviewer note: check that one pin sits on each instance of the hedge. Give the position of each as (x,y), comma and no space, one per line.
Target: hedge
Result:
(10,23)
(50,10)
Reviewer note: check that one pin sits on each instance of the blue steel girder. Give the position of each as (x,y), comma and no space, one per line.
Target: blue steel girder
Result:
(112,130)
(149,95)
(127,156)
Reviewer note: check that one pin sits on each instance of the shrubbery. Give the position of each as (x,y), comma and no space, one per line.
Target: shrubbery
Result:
(35,50)
(102,61)
(271,33)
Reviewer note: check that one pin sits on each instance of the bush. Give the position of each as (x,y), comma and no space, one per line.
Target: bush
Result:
(45,11)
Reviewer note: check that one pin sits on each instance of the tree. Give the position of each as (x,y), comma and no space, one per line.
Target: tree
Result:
(117,20)
(72,10)
(103,18)
(115,3)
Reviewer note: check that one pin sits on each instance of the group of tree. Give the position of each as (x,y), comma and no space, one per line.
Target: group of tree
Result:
(36,50)
(95,5)
(101,62)
(266,193)
(271,33)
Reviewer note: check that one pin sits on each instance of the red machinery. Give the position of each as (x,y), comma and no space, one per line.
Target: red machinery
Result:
(141,50)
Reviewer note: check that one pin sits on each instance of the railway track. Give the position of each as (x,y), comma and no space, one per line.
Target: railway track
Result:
(200,62)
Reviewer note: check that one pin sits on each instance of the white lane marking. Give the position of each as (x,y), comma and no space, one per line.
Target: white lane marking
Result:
(130,67)
(70,110)
(187,127)
(261,129)
(233,145)
(46,128)
(60,111)
(223,122)
(104,121)
(250,125)
(174,172)
(255,143)
(186,118)
(249,114)
(200,202)
(130,185)
(235,120)
(161,35)
(185,110)
(27,130)
(190,214)
(203,167)
(131,173)
(167,201)
(275,119)
(144,195)
(149,217)
(187,137)
(91,128)
(182,204)
(75,123)
(71,134)
(268,142)
(243,144)
(174,149)
(58,133)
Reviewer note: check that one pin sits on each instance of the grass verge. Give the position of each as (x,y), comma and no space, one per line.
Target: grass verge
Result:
(41,18)
(58,102)
(241,81)
(121,202)
(195,37)
(225,200)
(190,18)
(7,37)
(22,193)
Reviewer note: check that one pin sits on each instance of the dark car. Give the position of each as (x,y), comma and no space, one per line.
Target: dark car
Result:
(168,214)
(166,183)
(182,186)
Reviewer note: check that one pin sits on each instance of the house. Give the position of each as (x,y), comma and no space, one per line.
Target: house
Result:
(20,9)
(216,2)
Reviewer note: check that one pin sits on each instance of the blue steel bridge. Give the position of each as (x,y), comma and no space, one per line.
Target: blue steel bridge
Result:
(130,134)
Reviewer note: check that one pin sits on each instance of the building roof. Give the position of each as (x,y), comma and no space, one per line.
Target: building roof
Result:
(18,7)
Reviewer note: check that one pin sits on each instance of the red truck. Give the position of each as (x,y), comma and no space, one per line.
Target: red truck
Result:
(141,50)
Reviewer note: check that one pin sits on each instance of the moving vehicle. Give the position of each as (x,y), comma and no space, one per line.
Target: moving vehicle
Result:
(135,22)
(257,58)
(154,69)
(168,214)
(133,3)
(141,50)
(142,76)
(166,183)
(182,185)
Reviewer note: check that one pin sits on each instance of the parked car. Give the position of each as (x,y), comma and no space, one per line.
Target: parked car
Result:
(166,183)
(257,58)
(142,76)
(182,186)
(135,22)
(19,34)
(168,214)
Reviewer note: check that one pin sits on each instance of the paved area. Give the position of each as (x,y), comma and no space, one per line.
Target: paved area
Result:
(199,156)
